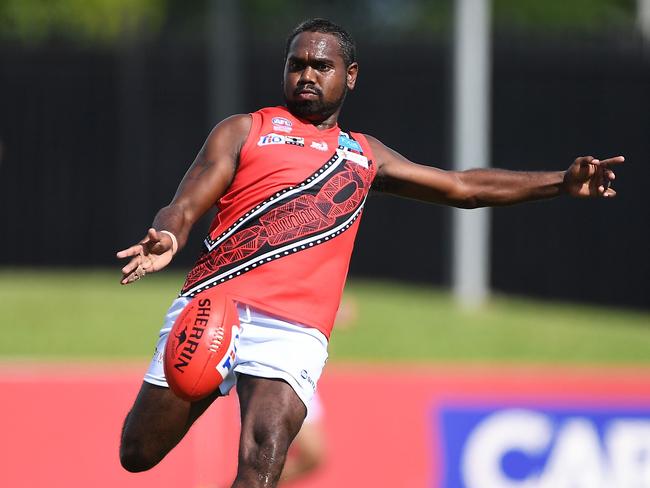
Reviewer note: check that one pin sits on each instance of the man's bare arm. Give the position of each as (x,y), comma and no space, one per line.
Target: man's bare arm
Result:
(586,177)
(205,182)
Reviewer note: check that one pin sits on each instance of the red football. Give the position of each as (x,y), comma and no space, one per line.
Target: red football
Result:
(201,346)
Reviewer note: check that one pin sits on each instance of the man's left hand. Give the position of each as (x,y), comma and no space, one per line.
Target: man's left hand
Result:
(591,177)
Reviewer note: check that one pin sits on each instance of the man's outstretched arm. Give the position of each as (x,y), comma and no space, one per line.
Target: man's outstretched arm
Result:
(586,177)
(205,182)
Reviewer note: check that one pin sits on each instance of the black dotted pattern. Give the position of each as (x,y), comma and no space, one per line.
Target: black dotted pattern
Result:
(276,198)
(255,262)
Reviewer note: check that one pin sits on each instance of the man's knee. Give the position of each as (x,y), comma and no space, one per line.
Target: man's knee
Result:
(157,422)
(272,414)
(134,455)
(264,455)
(270,446)
(133,459)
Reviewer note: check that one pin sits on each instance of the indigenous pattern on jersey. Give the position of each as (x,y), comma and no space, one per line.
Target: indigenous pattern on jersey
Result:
(280,240)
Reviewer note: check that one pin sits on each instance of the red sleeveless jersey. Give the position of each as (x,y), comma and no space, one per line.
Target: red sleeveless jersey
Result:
(284,232)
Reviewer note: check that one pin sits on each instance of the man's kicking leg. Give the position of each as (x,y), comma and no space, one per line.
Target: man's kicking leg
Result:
(271,416)
(155,424)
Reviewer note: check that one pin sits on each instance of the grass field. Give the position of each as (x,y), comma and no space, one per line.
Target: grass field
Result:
(63,315)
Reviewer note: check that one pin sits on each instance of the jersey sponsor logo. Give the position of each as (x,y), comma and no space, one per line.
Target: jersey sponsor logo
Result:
(320,145)
(272,138)
(353,157)
(346,142)
(546,447)
(281,124)
(269,139)
(295,141)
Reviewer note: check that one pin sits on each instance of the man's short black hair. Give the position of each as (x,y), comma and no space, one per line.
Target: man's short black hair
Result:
(324,26)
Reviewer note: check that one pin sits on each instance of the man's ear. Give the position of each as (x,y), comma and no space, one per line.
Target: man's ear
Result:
(351,75)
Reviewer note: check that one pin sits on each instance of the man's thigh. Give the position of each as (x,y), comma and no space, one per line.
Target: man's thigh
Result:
(271,416)
(269,401)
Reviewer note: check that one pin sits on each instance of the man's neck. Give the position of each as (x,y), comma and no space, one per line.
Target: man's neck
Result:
(319,122)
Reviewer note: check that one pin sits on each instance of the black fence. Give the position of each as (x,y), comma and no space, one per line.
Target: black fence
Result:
(93,143)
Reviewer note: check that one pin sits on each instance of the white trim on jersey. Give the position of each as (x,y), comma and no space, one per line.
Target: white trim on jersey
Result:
(260,209)
(276,253)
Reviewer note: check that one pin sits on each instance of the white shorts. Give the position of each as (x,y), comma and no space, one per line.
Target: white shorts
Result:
(269,347)
(315,411)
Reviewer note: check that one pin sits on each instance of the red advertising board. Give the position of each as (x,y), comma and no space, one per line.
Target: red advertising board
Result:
(385,427)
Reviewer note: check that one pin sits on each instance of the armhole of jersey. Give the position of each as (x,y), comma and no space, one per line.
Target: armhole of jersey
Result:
(256,124)
(367,150)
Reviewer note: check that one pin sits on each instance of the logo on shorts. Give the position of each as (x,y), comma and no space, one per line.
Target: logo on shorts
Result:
(305,376)
(158,355)
(231,356)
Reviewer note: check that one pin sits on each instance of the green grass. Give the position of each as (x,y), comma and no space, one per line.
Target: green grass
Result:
(62,315)
(419,324)
(81,314)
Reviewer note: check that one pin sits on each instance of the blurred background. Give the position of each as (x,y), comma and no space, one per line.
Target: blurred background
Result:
(103,105)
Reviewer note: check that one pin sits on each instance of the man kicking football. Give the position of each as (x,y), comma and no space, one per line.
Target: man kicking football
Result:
(290,186)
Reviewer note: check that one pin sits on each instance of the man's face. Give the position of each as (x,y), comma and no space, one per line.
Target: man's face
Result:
(315,76)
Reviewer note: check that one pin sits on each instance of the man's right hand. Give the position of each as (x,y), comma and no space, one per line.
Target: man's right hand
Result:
(205,183)
(151,254)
